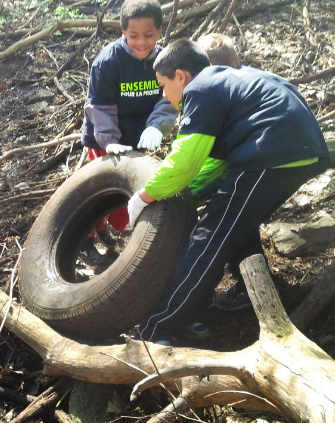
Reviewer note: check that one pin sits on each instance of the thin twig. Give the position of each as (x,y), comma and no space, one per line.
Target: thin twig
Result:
(310,36)
(68,159)
(158,374)
(62,89)
(148,351)
(244,41)
(13,280)
(52,57)
(78,51)
(82,159)
(155,366)
(327,116)
(4,247)
(214,13)
(171,22)
(132,366)
(244,393)
(233,5)
(181,28)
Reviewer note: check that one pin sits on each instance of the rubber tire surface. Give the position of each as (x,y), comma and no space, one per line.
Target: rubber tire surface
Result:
(126,291)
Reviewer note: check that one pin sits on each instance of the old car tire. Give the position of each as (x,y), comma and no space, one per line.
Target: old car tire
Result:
(126,291)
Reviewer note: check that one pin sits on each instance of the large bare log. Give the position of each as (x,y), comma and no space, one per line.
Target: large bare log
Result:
(291,371)
(297,374)
(126,363)
(283,372)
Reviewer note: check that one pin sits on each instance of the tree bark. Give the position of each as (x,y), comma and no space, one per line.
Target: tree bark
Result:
(283,372)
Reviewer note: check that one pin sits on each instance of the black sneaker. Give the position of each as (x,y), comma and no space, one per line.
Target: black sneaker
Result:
(231,300)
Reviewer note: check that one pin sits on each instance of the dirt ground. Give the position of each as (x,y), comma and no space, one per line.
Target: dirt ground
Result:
(34,109)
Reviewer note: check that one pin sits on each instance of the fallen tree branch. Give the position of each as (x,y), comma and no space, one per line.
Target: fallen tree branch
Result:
(327,73)
(280,342)
(63,417)
(18,150)
(21,32)
(284,372)
(201,370)
(28,195)
(327,116)
(45,33)
(27,42)
(88,23)
(44,400)
(95,364)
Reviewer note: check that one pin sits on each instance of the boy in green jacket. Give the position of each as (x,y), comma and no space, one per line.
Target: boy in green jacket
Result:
(261,126)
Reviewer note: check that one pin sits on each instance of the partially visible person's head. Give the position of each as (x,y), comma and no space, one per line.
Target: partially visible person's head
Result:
(181,54)
(176,65)
(141,25)
(220,49)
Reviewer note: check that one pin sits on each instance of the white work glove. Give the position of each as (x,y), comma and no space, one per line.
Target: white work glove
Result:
(150,139)
(135,208)
(118,148)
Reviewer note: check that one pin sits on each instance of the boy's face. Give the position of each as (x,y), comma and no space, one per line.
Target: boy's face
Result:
(173,88)
(142,36)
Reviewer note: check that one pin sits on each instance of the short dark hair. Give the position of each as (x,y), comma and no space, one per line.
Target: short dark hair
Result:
(181,54)
(132,9)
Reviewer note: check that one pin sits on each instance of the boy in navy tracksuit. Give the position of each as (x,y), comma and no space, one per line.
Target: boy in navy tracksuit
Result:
(263,128)
(124,108)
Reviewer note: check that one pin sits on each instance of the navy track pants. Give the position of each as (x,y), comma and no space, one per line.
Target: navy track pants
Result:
(235,209)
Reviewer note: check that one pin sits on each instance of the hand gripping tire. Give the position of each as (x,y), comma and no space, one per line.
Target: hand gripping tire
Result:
(128,289)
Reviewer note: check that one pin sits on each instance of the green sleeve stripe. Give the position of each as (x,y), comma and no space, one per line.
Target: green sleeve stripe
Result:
(298,163)
(180,166)
(211,170)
